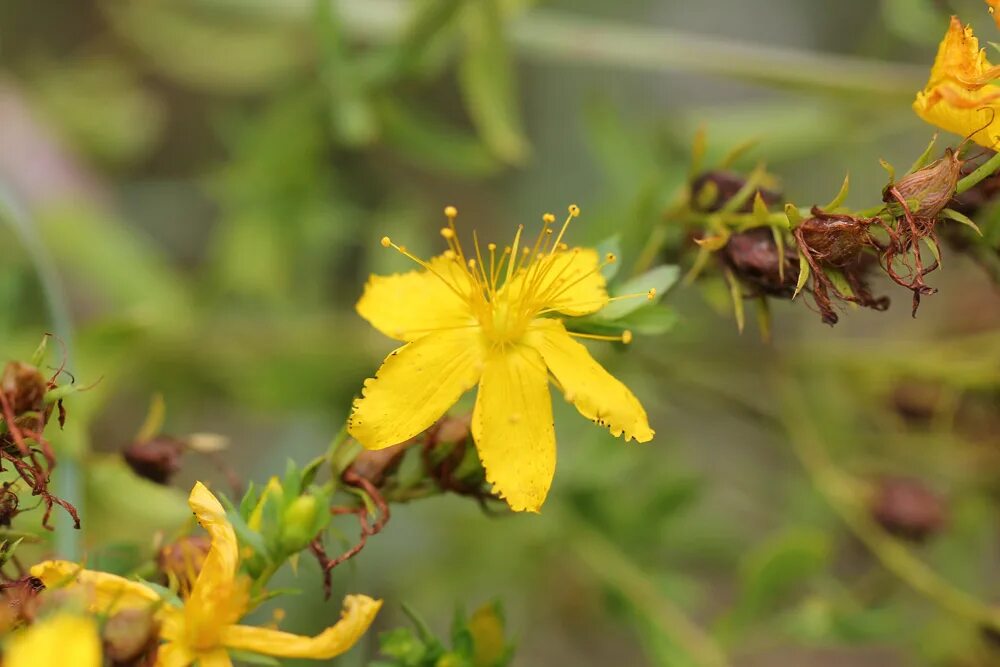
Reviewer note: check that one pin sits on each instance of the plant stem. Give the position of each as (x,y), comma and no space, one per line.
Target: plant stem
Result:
(984,171)
(67,480)
(566,38)
(608,562)
(840,492)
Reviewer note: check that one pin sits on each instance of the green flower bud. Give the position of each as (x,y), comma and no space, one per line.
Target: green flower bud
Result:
(299,523)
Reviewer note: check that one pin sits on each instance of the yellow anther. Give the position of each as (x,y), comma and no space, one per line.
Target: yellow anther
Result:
(450,211)
(548,218)
(651,294)
(449,254)
(574,210)
(447,232)
(491,246)
(386,242)
(626,336)
(472,263)
(563,246)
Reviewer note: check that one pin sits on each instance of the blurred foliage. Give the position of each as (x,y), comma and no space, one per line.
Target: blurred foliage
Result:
(211,179)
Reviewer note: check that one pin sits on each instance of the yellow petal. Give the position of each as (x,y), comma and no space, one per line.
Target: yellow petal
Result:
(219,658)
(958,96)
(407,306)
(105,593)
(174,655)
(512,426)
(569,282)
(994,6)
(416,384)
(218,572)
(358,613)
(597,394)
(57,641)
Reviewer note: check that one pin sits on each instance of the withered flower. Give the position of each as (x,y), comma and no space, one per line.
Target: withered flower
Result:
(754,258)
(156,459)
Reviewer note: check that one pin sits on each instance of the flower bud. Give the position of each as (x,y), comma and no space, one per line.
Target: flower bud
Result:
(907,509)
(300,523)
(931,187)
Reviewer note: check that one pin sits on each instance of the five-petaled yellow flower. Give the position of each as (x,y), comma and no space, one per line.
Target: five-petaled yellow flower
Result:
(207,624)
(493,319)
(960,95)
(60,640)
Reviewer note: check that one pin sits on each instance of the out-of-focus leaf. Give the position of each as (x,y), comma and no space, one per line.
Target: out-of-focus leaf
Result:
(431,143)
(486,76)
(351,113)
(610,246)
(112,513)
(205,51)
(778,566)
(428,23)
(100,106)
(917,21)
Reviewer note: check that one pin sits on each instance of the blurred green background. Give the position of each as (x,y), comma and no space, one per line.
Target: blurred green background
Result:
(202,185)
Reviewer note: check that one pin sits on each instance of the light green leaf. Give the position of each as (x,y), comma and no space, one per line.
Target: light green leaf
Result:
(958,216)
(925,157)
(803,274)
(838,200)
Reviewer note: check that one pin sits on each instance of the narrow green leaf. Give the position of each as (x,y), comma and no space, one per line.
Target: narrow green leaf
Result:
(803,274)
(764,318)
(793,215)
(730,158)
(486,78)
(838,201)
(933,247)
(736,293)
(889,169)
(779,242)
(760,212)
(925,157)
(698,147)
(958,216)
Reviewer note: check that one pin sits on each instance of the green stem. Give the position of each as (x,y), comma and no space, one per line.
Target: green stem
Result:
(984,171)
(609,563)
(566,38)
(67,482)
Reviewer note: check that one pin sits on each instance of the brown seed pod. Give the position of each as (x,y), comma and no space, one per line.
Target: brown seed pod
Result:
(754,258)
(906,508)
(156,459)
(931,187)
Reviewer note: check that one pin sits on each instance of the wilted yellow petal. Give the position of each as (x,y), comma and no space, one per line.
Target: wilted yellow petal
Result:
(105,593)
(358,613)
(58,641)
(569,282)
(416,384)
(512,426)
(959,96)
(407,306)
(218,572)
(597,394)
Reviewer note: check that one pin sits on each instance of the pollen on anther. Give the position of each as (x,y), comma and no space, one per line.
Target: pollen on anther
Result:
(386,242)
(548,218)
(491,246)
(651,294)
(626,336)
(447,232)
(574,210)
(449,254)
(450,211)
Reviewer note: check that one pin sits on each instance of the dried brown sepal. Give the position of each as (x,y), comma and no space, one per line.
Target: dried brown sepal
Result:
(24,414)
(907,509)
(839,241)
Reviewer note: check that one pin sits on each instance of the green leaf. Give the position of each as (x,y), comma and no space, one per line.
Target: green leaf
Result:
(779,242)
(760,212)
(889,169)
(736,294)
(660,278)
(252,658)
(426,140)
(925,157)
(838,200)
(803,274)
(793,215)
(486,78)
(351,114)
(244,533)
(958,216)
(933,247)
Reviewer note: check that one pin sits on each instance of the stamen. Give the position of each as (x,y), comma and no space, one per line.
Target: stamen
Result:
(574,211)
(387,243)
(625,337)
(513,252)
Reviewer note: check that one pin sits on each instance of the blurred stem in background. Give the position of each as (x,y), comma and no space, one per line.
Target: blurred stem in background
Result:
(67,482)
(555,36)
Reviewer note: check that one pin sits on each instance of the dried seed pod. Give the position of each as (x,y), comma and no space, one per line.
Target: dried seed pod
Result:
(181,560)
(907,509)
(724,185)
(157,459)
(931,187)
(754,258)
(24,387)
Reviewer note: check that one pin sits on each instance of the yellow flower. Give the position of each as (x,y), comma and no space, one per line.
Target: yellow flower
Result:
(206,625)
(63,639)
(491,319)
(993,5)
(959,96)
